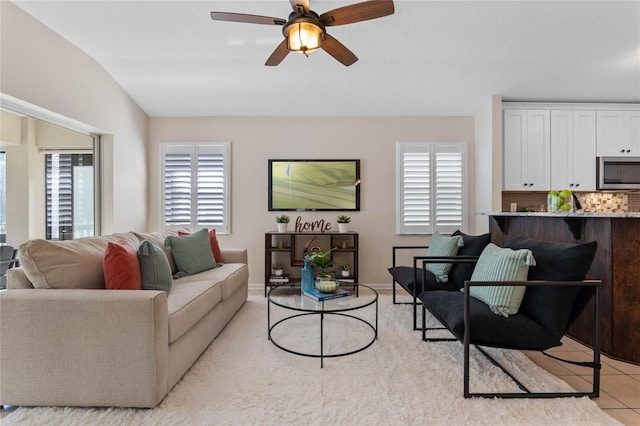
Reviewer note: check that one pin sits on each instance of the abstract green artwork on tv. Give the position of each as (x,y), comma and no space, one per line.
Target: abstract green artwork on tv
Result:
(300,185)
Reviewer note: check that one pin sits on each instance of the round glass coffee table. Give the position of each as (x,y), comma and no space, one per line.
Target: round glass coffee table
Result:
(290,299)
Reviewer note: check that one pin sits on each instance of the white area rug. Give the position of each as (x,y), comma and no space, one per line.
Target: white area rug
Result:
(243,379)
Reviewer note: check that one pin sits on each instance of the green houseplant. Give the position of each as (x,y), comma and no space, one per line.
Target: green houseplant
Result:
(277,268)
(343,223)
(345,270)
(321,262)
(282,221)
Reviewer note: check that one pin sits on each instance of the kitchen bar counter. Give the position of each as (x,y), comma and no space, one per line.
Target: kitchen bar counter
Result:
(616,263)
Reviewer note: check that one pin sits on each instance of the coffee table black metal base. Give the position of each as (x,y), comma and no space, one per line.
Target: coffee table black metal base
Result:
(286,299)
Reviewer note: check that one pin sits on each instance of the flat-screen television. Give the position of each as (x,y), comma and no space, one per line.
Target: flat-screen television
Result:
(314,185)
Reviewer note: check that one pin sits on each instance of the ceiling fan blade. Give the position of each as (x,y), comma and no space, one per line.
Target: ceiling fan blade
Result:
(250,19)
(338,50)
(357,12)
(278,55)
(302,3)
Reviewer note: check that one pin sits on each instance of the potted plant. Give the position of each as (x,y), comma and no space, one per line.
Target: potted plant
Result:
(343,222)
(277,269)
(345,270)
(283,222)
(321,263)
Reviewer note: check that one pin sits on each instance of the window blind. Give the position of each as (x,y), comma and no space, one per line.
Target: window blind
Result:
(196,184)
(431,187)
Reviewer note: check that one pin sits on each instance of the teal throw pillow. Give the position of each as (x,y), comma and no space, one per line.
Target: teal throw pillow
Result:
(502,264)
(192,253)
(155,270)
(442,246)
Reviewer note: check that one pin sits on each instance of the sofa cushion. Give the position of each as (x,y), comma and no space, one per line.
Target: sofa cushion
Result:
(501,264)
(551,306)
(159,238)
(231,276)
(192,253)
(442,246)
(121,267)
(67,264)
(188,302)
(518,331)
(473,246)
(154,267)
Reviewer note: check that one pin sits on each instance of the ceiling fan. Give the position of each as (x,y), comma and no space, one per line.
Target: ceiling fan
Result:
(304,31)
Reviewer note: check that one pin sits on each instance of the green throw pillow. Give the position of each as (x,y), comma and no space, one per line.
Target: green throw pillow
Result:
(155,270)
(442,246)
(192,253)
(502,264)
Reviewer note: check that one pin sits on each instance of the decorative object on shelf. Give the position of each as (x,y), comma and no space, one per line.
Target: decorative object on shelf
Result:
(280,244)
(343,245)
(277,269)
(321,261)
(306,277)
(560,201)
(345,270)
(283,222)
(343,223)
(308,252)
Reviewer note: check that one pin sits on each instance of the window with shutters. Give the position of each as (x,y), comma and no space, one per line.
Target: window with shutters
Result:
(69,192)
(431,187)
(196,186)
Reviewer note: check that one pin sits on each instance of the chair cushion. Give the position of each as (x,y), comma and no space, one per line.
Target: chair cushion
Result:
(473,246)
(515,332)
(548,305)
(442,246)
(501,264)
(404,275)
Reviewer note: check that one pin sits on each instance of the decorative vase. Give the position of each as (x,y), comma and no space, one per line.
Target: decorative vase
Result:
(282,227)
(306,276)
(343,228)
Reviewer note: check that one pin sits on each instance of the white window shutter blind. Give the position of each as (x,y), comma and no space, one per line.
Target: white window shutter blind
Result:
(196,185)
(431,187)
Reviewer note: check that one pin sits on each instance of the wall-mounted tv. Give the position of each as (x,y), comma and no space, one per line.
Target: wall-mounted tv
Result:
(314,185)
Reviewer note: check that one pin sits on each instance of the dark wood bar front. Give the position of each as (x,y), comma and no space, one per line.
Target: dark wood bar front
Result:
(617,264)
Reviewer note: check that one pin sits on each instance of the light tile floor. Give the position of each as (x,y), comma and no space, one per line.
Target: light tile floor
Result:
(619,381)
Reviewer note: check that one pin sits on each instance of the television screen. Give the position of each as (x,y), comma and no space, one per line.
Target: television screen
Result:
(299,185)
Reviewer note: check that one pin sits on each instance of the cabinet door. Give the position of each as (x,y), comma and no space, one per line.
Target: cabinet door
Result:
(514,139)
(573,150)
(526,150)
(538,151)
(618,133)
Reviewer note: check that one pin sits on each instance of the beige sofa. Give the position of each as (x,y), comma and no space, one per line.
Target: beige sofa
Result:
(76,344)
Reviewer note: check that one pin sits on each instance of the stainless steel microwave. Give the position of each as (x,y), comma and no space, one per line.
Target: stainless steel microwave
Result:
(618,172)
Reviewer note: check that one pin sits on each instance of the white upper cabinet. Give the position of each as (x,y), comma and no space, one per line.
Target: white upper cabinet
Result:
(618,133)
(573,150)
(527,150)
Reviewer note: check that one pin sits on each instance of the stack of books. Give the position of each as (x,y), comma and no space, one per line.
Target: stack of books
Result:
(279,279)
(348,279)
(321,297)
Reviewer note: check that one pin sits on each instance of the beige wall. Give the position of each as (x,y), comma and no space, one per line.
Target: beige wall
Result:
(49,74)
(256,139)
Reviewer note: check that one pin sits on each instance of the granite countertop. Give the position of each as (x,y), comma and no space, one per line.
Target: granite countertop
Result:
(563,214)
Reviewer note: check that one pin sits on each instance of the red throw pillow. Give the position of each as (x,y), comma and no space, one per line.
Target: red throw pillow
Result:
(215,247)
(121,267)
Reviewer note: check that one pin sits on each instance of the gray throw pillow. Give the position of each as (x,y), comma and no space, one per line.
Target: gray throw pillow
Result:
(155,270)
(192,253)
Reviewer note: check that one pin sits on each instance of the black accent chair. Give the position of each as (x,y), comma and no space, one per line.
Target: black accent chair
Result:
(415,279)
(556,295)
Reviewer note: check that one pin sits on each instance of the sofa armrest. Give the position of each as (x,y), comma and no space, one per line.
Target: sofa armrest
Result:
(83,347)
(234,255)
(16,278)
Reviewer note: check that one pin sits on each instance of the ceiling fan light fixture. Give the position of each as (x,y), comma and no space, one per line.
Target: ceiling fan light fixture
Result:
(304,37)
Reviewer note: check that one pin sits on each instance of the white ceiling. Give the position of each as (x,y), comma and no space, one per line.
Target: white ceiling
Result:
(429,58)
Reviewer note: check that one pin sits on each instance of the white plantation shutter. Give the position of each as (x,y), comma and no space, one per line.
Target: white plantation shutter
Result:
(195,177)
(431,187)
